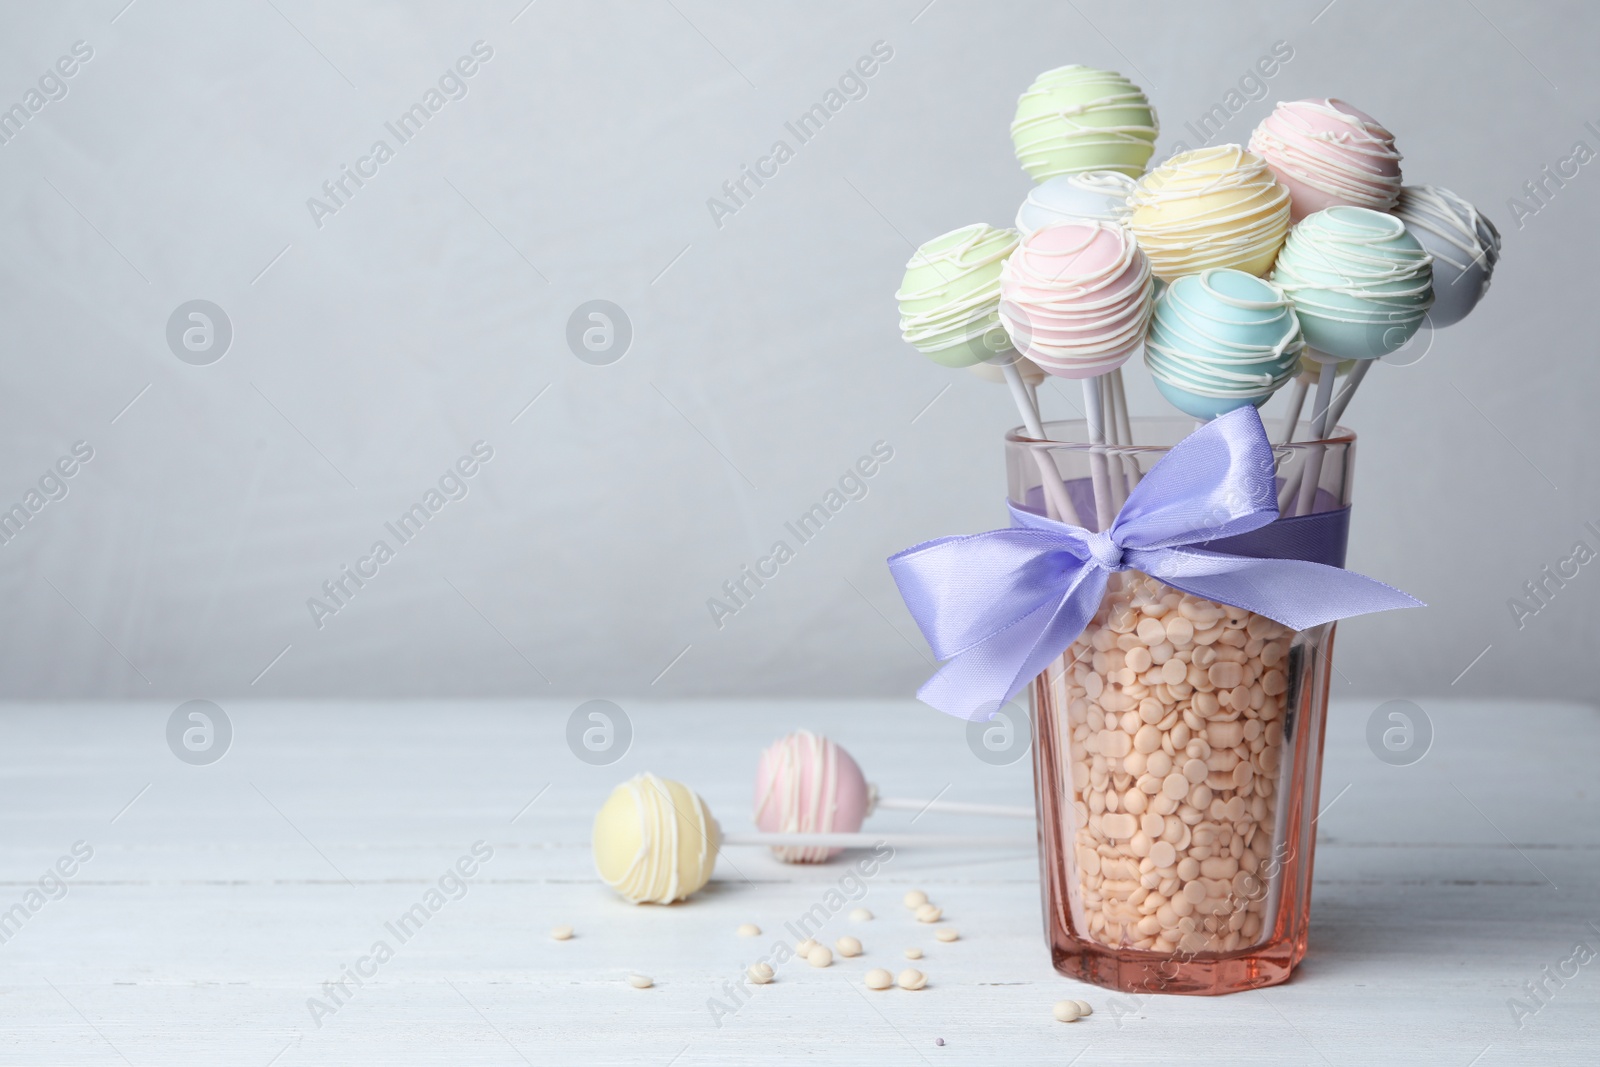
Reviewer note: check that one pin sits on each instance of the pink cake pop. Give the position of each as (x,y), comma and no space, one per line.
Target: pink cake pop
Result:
(807,784)
(1076,298)
(1326,152)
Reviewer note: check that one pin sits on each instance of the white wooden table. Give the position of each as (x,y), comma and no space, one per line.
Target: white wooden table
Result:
(223,897)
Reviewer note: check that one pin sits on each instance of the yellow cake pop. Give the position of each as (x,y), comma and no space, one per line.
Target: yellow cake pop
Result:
(655,841)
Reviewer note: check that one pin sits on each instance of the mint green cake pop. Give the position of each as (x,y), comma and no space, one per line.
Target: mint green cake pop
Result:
(1360,282)
(1075,119)
(950,296)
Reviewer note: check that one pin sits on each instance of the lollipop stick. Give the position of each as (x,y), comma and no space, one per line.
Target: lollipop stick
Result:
(1125,426)
(866,840)
(1108,413)
(1057,504)
(1319,428)
(1024,400)
(1342,401)
(1297,402)
(1100,473)
(954,807)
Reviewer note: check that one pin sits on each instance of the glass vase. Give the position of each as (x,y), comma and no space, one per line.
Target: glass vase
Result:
(1178,754)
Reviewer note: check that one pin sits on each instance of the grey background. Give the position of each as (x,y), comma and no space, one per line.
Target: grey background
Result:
(370,353)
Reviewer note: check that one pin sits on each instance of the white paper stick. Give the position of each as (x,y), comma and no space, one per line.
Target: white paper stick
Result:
(954,807)
(1099,470)
(1319,429)
(1108,415)
(866,840)
(1125,433)
(1057,504)
(1297,403)
(1351,383)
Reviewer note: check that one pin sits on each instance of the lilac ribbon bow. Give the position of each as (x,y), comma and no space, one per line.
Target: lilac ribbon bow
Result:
(1001,606)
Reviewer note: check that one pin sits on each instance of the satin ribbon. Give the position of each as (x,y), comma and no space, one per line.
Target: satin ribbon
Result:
(1001,606)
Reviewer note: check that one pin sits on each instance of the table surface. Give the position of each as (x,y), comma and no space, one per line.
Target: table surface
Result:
(219,899)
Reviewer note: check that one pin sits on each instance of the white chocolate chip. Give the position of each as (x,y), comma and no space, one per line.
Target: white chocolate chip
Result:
(749,930)
(860,915)
(819,957)
(803,949)
(946,934)
(639,981)
(848,946)
(929,913)
(1066,1011)
(562,932)
(1083,1008)
(760,973)
(910,979)
(913,953)
(878,978)
(914,899)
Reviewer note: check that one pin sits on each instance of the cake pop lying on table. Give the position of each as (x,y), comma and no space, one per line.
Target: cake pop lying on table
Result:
(806,783)
(655,841)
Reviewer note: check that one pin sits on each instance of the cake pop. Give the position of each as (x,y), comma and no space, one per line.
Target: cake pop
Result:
(948,297)
(809,784)
(1359,281)
(1222,339)
(1213,207)
(1327,152)
(1075,297)
(655,841)
(1096,195)
(1074,119)
(949,300)
(1361,285)
(1093,196)
(1464,244)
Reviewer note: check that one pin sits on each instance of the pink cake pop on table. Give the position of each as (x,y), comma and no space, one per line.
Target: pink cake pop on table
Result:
(1326,152)
(808,784)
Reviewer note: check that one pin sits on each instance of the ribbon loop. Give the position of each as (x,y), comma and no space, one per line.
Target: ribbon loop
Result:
(1001,606)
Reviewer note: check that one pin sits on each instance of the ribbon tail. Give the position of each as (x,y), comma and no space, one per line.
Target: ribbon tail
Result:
(1293,592)
(1006,661)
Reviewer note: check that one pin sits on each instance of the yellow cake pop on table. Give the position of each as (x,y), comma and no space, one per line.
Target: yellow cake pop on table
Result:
(655,841)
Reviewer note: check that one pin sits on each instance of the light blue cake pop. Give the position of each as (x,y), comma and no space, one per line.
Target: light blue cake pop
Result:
(1220,340)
